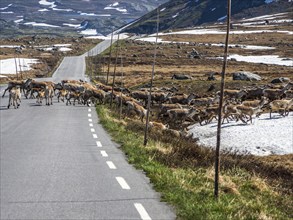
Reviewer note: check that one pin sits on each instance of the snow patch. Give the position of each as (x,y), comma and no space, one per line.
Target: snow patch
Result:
(89,32)
(268,1)
(7,66)
(263,137)
(2,9)
(114,7)
(40,24)
(43,10)
(266,59)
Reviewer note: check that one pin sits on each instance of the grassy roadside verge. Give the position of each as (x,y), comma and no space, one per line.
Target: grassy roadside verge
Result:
(189,189)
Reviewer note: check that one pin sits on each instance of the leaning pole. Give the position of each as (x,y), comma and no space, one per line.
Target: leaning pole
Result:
(217,156)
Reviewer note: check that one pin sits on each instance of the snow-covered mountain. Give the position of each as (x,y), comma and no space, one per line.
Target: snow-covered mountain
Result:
(25,16)
(185,13)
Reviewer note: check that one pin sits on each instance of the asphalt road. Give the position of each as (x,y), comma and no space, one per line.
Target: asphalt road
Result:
(57,162)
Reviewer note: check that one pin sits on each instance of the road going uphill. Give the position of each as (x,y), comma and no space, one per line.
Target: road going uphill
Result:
(57,162)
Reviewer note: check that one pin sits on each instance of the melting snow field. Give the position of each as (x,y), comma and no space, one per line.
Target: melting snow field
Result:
(263,137)
(7,66)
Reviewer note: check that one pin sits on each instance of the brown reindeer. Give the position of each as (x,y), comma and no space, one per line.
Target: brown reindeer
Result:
(14,97)
(281,105)
(12,84)
(138,109)
(49,93)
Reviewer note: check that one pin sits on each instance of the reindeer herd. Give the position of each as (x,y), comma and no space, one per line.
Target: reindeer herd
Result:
(168,107)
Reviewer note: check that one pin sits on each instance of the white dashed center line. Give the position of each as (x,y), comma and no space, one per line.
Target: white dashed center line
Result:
(142,212)
(91,124)
(90,120)
(122,183)
(89,115)
(90,110)
(111,165)
(99,144)
(104,153)
(95,136)
(93,130)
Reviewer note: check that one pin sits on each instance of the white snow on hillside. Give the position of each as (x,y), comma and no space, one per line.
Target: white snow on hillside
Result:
(46,3)
(248,47)
(114,7)
(268,1)
(266,59)
(7,12)
(2,9)
(89,32)
(40,24)
(263,137)
(72,25)
(202,31)
(43,10)
(108,37)
(9,46)
(7,66)
(93,14)
(266,17)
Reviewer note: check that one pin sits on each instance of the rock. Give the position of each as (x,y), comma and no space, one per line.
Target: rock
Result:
(181,77)
(211,76)
(248,76)
(194,54)
(280,80)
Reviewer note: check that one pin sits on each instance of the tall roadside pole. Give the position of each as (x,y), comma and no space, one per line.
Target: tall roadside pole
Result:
(110,56)
(15,60)
(217,159)
(151,86)
(114,73)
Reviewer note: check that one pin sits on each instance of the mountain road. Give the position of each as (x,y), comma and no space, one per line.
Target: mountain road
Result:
(57,162)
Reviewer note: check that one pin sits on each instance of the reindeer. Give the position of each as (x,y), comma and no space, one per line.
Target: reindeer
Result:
(62,94)
(160,97)
(250,111)
(75,95)
(12,84)
(157,125)
(234,94)
(210,113)
(281,105)
(165,107)
(40,96)
(255,103)
(138,109)
(64,81)
(274,94)
(178,114)
(204,101)
(140,95)
(49,93)
(182,99)
(254,93)
(14,97)
(94,94)
(30,84)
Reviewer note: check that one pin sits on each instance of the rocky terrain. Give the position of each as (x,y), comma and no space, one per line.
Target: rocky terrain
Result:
(185,14)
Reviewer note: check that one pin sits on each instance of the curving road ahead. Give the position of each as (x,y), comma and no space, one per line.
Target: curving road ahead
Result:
(57,162)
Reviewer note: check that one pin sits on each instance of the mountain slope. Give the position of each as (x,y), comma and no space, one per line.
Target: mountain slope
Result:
(185,13)
(71,15)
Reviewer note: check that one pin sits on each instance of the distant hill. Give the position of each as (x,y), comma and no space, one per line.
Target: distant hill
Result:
(185,13)
(69,16)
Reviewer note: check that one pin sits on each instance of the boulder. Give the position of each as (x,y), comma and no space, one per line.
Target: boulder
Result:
(280,80)
(247,76)
(181,77)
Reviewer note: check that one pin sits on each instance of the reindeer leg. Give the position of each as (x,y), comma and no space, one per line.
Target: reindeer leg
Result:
(4,92)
